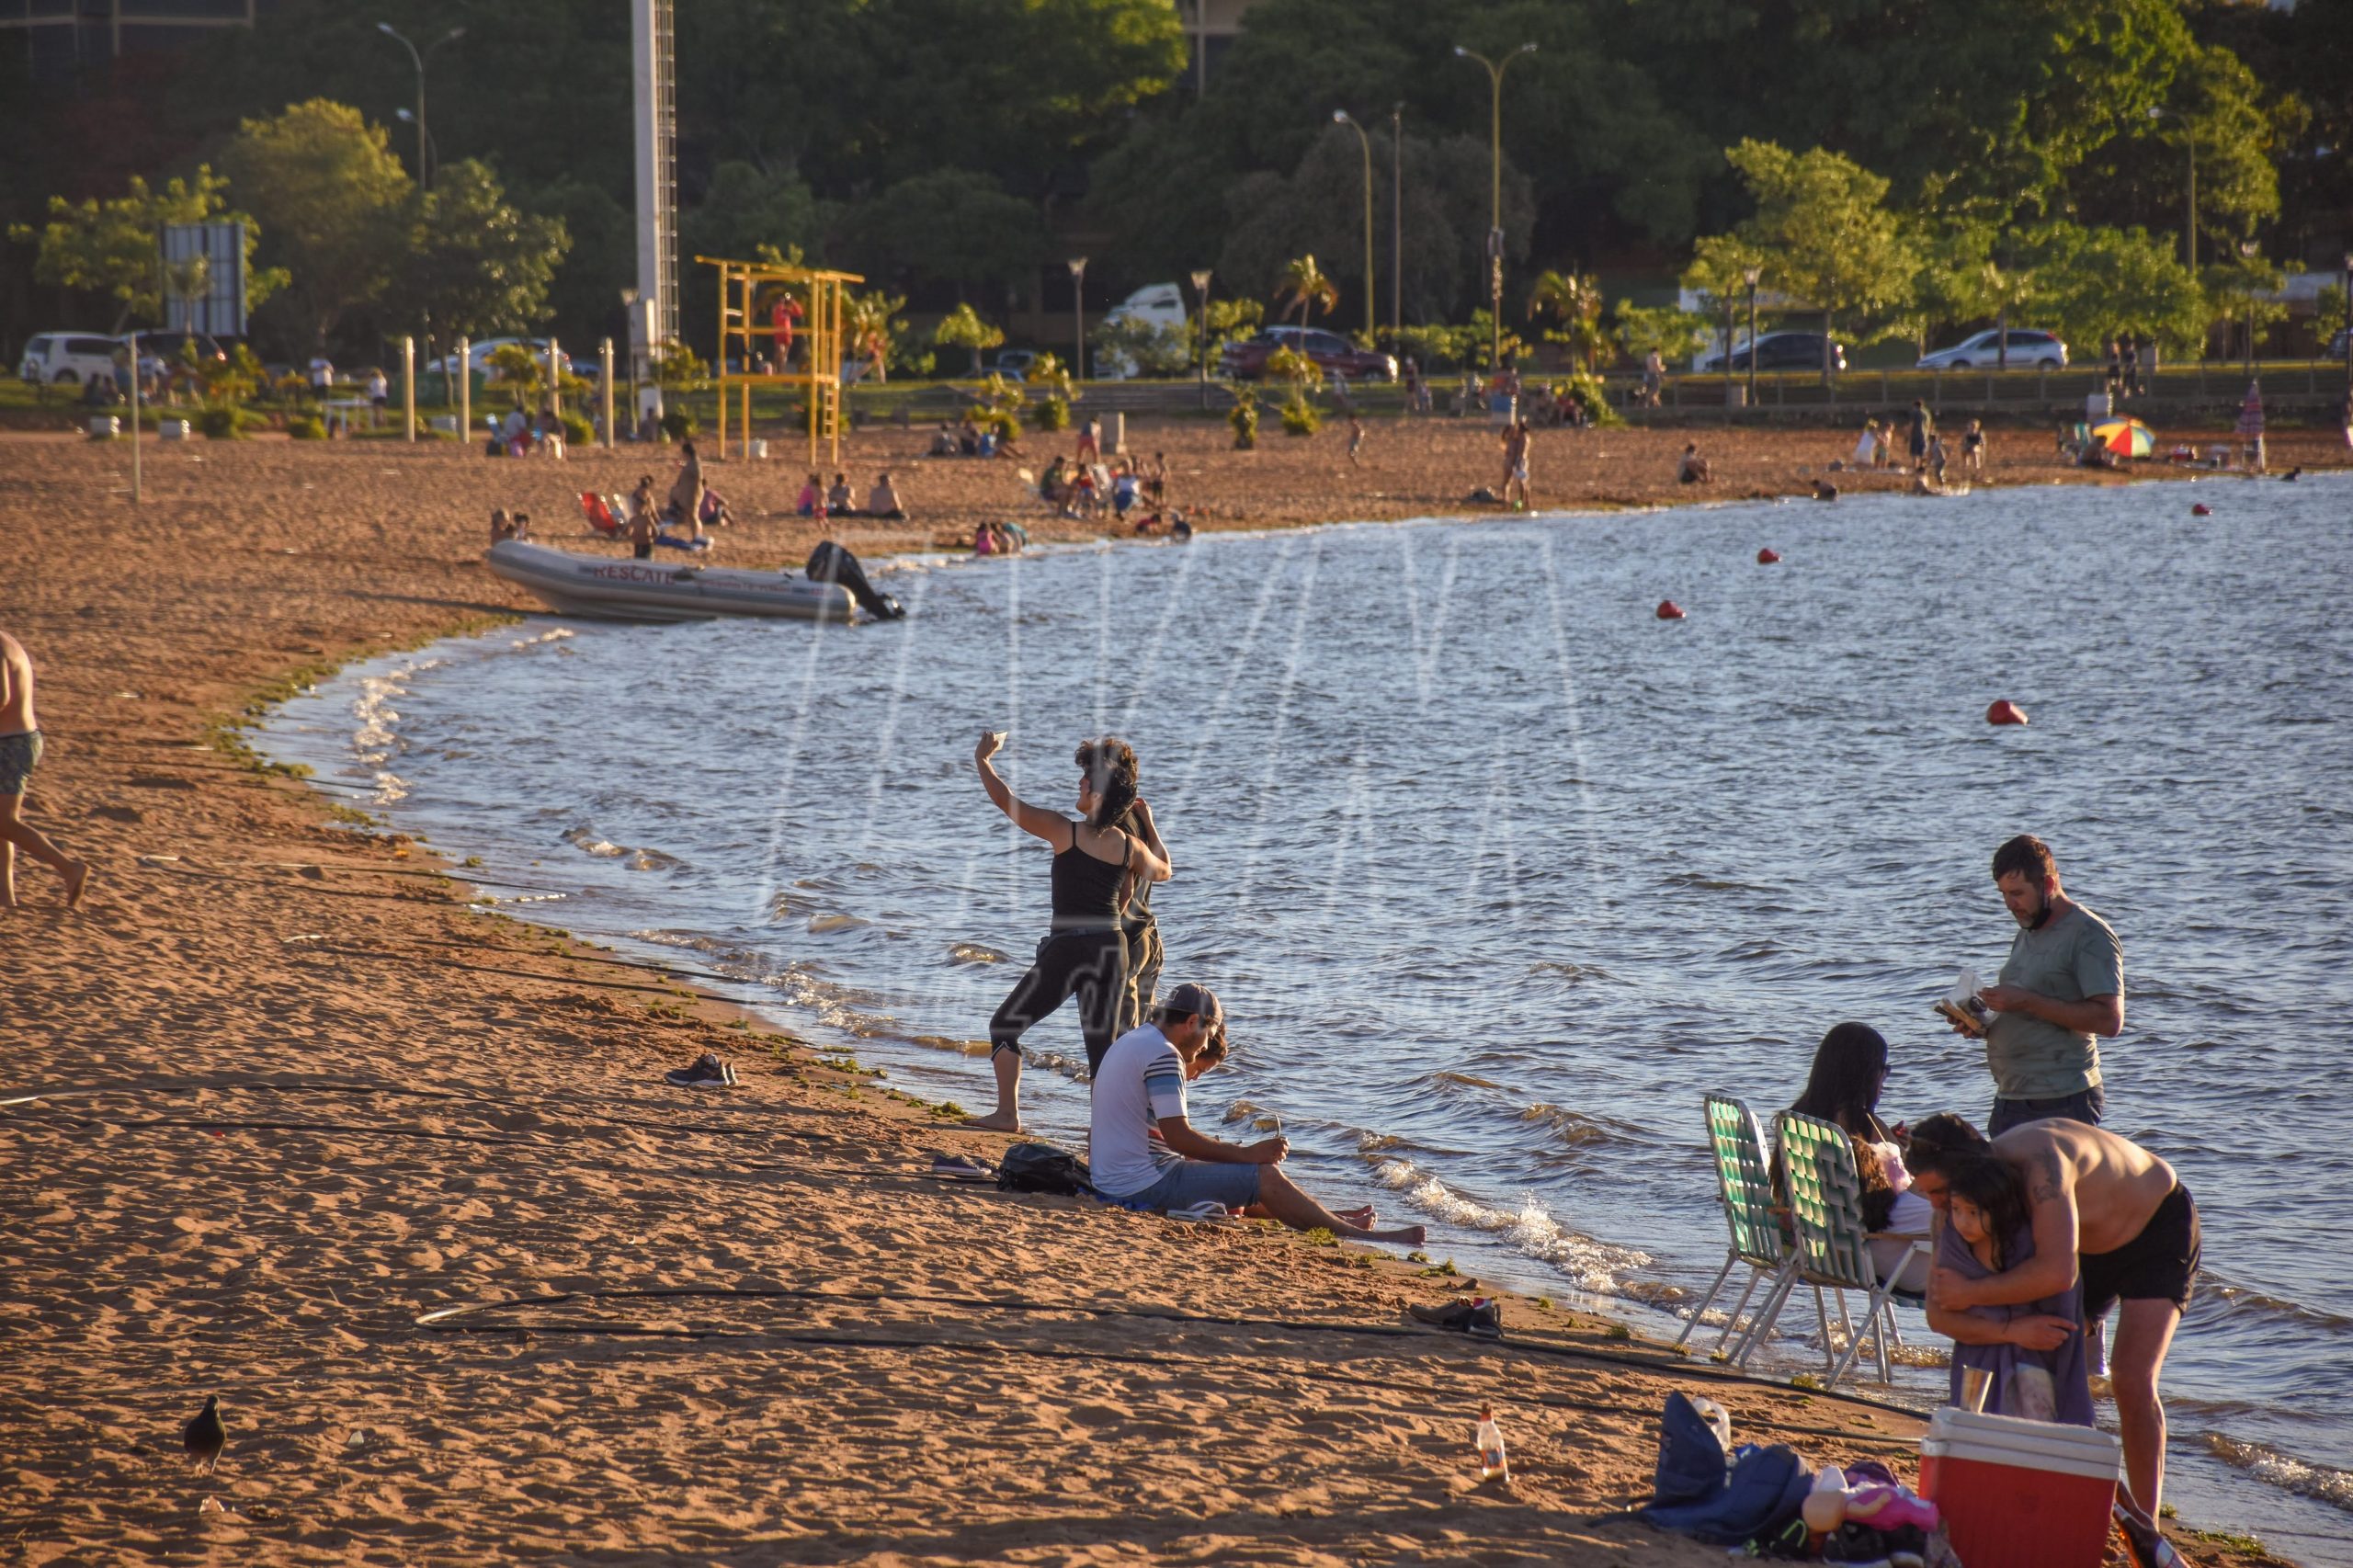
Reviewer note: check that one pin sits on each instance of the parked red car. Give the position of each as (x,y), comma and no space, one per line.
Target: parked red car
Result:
(1333,354)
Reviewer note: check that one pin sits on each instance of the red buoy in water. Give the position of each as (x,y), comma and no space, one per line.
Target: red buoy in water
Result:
(2005,713)
(2202,510)
(1768,556)
(1669,611)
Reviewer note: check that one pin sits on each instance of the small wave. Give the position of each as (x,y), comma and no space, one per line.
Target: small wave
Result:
(553,634)
(389,787)
(1445,1082)
(2318,1482)
(580,838)
(972,952)
(819,924)
(2238,1298)
(1260,1118)
(653,860)
(1581,973)
(1575,1129)
(1530,1229)
(1699,883)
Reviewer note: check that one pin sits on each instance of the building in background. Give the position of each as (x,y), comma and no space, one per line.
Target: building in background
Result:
(66,35)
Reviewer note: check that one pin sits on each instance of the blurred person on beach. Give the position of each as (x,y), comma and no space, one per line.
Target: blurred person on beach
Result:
(2105,1213)
(322,378)
(1936,457)
(1693,469)
(501,527)
(840,499)
(1144,1153)
(1654,377)
(1972,449)
(1924,425)
(2060,993)
(1866,446)
(644,523)
(20,749)
(2032,1352)
(1515,457)
(1138,924)
(1843,1087)
(686,490)
(1356,440)
(1085,954)
(1090,441)
(812,500)
(882,501)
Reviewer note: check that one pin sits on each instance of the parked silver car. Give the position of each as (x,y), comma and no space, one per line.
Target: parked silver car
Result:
(2030,349)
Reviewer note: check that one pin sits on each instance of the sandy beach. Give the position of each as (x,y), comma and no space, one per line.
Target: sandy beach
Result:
(276,1093)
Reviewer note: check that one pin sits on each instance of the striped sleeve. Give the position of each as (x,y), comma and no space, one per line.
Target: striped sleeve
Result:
(1164,1084)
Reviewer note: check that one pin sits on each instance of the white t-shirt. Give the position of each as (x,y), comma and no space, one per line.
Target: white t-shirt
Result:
(1142,1080)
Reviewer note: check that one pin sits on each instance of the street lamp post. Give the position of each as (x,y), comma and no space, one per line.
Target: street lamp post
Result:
(1396,216)
(1340,117)
(2349,330)
(1495,70)
(1079,317)
(423,166)
(1201,299)
(1750,276)
(2190,225)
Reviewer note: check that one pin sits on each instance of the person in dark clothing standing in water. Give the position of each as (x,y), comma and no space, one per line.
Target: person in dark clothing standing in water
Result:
(1097,865)
(1141,928)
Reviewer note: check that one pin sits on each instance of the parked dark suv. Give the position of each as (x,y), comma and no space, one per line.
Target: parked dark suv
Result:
(1333,354)
(1782,351)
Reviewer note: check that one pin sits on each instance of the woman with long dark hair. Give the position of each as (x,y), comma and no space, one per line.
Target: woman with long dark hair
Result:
(1850,1070)
(1097,864)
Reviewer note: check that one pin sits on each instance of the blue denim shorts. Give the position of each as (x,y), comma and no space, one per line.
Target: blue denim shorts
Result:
(19,754)
(1199,1181)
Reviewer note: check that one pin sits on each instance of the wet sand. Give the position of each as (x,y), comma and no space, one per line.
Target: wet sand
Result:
(293,1095)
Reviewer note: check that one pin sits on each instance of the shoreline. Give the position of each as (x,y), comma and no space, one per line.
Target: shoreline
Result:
(278,1244)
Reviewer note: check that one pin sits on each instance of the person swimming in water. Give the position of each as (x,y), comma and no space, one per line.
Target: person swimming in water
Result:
(1097,865)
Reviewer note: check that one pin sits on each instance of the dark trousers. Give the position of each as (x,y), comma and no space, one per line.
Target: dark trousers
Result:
(1089,965)
(2085,1108)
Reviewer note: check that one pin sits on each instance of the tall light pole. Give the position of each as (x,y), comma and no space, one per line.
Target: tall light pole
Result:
(1495,70)
(2348,328)
(1340,117)
(424,166)
(1079,317)
(1201,297)
(1396,216)
(1750,276)
(2190,225)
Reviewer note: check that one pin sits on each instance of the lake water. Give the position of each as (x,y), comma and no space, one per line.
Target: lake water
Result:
(1498,873)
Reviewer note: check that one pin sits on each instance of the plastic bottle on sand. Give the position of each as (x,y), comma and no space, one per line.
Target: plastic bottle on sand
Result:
(1491,1446)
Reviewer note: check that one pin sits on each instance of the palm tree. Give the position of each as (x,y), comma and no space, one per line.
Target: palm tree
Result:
(1575,301)
(1305,285)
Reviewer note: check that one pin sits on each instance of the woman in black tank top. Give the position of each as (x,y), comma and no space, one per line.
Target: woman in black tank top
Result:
(1097,864)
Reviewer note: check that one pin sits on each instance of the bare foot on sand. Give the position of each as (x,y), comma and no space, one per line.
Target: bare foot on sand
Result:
(77,877)
(996,1121)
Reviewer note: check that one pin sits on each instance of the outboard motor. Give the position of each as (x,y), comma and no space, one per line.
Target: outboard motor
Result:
(829,562)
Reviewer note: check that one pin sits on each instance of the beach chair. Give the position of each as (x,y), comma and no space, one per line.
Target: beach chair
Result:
(1833,1245)
(600,516)
(1746,1186)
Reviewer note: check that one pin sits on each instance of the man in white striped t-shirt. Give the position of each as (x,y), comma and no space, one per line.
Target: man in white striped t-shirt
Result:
(1145,1155)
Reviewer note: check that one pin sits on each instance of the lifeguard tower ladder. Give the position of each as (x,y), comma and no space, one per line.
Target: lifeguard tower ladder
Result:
(750,294)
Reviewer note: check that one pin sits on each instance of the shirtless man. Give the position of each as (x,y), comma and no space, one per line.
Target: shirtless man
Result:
(19,754)
(2107,1211)
(643,525)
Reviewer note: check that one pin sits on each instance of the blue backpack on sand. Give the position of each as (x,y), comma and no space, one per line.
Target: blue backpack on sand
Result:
(1694,1493)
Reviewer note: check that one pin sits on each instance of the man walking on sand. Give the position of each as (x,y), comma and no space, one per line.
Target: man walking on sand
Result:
(2061,990)
(2107,1211)
(1147,1155)
(19,754)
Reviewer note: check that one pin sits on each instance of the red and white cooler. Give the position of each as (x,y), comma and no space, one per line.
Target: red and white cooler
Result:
(2018,1493)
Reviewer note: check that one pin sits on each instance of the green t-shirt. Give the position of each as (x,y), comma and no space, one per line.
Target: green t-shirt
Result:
(2073,958)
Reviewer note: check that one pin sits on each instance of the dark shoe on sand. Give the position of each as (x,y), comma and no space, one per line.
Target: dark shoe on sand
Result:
(962,1167)
(708,1073)
(1480,1318)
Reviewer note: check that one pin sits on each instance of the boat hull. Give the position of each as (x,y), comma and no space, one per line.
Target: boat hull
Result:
(609,588)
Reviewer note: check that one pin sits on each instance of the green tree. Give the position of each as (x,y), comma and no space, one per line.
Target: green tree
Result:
(1305,285)
(1675,334)
(2091,284)
(1575,302)
(333,203)
(523,373)
(948,226)
(476,265)
(870,322)
(963,328)
(110,247)
(2242,298)
(1822,232)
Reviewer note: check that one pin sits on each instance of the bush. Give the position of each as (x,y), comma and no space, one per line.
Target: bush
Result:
(577,432)
(1245,420)
(1585,391)
(1438,348)
(1053,413)
(1299,417)
(677,425)
(306,427)
(221,422)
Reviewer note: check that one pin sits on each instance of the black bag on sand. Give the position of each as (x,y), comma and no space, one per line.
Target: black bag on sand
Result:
(1042,1167)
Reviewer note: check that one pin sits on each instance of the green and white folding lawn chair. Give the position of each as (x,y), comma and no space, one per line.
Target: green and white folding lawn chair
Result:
(1745,1183)
(1833,1246)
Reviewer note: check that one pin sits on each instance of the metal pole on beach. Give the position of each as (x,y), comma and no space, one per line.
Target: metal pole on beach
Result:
(465,389)
(1201,299)
(555,385)
(605,362)
(135,420)
(1396,216)
(1340,117)
(1079,318)
(408,389)
(1495,70)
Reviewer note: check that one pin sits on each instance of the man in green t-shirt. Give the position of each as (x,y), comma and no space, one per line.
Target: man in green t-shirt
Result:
(2061,990)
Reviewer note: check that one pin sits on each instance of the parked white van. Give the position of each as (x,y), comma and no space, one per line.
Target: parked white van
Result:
(68,358)
(1159,305)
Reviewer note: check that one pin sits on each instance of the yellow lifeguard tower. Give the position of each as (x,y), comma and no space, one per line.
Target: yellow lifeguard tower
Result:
(791,307)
